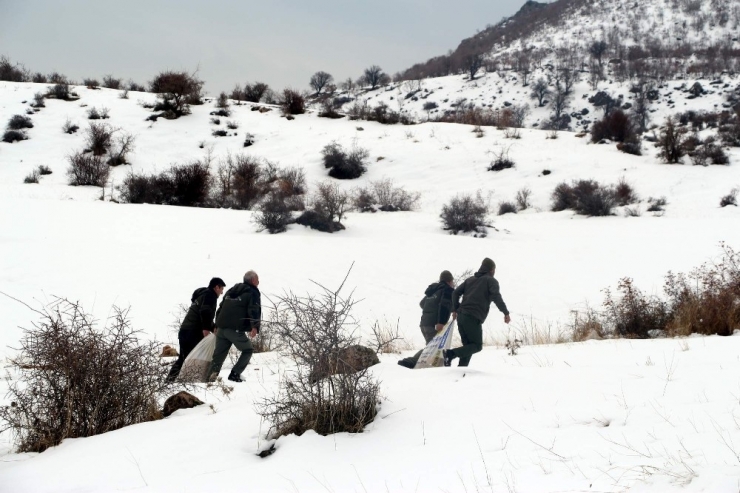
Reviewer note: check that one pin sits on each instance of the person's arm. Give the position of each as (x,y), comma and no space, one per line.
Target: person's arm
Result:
(459,291)
(445,308)
(494,294)
(207,311)
(254,312)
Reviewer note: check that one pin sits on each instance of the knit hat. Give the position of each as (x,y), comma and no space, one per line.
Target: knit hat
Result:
(216,281)
(446,276)
(487,265)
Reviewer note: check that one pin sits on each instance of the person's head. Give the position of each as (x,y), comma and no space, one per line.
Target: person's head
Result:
(217,285)
(488,265)
(446,277)
(252,278)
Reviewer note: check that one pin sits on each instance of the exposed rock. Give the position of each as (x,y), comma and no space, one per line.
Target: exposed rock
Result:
(181,400)
(348,360)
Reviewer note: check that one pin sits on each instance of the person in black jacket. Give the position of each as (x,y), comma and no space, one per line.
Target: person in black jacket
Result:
(238,316)
(436,308)
(477,292)
(198,321)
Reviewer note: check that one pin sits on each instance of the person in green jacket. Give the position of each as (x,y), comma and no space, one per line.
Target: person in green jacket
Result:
(237,320)
(436,307)
(477,292)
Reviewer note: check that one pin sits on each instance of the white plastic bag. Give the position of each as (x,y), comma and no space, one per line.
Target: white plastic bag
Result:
(431,356)
(197,365)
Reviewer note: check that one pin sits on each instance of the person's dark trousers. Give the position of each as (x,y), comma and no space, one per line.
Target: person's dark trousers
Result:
(188,340)
(471,334)
(224,339)
(428,332)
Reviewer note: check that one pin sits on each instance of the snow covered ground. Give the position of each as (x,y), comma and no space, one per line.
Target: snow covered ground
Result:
(597,416)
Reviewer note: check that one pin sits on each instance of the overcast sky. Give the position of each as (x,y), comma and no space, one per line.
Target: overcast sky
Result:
(281,42)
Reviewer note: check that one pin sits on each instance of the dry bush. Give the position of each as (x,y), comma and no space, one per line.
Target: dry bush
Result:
(12,72)
(634,314)
(61,91)
(69,127)
(672,142)
(293,102)
(590,198)
(79,380)
(254,93)
(587,325)
(729,199)
(707,300)
(87,169)
(342,164)
(32,177)
(44,170)
(38,100)
(12,136)
(273,214)
(328,205)
(615,126)
(177,91)
(19,122)
(111,82)
(184,185)
(533,333)
(506,208)
(384,196)
(316,329)
(522,199)
(387,338)
(99,138)
(465,213)
(122,146)
(98,114)
(501,160)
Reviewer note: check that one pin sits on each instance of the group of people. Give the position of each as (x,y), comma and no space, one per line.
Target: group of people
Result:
(237,319)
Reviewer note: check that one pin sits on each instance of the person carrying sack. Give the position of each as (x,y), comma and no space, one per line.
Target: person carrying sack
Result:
(477,292)
(436,307)
(238,317)
(198,322)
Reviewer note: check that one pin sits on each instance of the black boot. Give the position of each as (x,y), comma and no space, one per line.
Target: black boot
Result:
(235,378)
(448,355)
(406,364)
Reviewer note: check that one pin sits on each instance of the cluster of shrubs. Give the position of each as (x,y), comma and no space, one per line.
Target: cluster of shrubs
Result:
(510,117)
(705,301)
(675,142)
(590,198)
(34,176)
(520,203)
(105,146)
(253,93)
(292,102)
(380,113)
(15,128)
(617,126)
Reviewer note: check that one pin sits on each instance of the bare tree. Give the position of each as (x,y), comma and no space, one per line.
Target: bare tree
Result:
(176,89)
(255,92)
(641,107)
(540,90)
(473,62)
(597,50)
(320,79)
(524,67)
(372,76)
(560,102)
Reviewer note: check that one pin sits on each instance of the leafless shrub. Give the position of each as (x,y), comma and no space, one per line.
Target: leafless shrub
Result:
(19,122)
(256,92)
(387,338)
(87,169)
(465,213)
(121,147)
(586,325)
(273,214)
(478,131)
(512,133)
(342,164)
(729,199)
(522,199)
(293,102)
(98,114)
(38,100)
(69,127)
(501,160)
(319,80)
(328,205)
(44,170)
(111,82)
(671,142)
(91,83)
(506,208)
(590,198)
(71,383)
(32,177)
(657,204)
(383,195)
(232,125)
(99,138)
(316,330)
(184,185)
(12,136)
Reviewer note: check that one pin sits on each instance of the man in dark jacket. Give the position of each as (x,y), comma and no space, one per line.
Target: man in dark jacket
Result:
(198,322)
(238,317)
(436,307)
(478,292)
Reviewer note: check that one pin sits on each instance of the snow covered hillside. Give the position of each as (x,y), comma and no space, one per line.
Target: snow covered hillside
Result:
(652,415)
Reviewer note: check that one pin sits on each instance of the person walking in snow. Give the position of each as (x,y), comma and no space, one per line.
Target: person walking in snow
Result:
(477,292)
(237,320)
(436,308)
(198,322)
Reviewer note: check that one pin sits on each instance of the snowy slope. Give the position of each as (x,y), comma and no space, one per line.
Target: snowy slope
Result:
(64,241)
